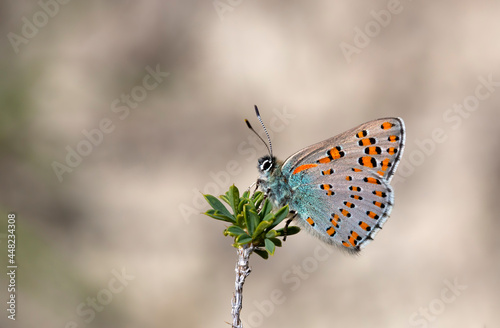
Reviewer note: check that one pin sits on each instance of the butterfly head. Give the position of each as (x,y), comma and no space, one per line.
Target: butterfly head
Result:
(266,165)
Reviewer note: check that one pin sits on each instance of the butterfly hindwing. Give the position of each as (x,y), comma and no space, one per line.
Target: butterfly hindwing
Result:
(344,210)
(340,186)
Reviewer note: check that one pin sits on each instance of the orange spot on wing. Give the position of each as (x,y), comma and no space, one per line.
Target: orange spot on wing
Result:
(335,154)
(371,180)
(357,170)
(372,215)
(335,220)
(332,154)
(373,150)
(392,150)
(303,167)
(364,226)
(393,138)
(368,161)
(324,160)
(385,164)
(354,238)
(310,221)
(361,134)
(346,244)
(345,213)
(349,204)
(386,125)
(366,142)
(330,231)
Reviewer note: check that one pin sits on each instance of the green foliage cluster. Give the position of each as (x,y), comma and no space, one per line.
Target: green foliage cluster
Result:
(252,220)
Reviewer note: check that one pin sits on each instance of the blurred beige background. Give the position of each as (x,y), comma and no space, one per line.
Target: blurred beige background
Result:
(153,95)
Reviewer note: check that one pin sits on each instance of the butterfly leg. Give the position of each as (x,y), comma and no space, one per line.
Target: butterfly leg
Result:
(267,192)
(250,187)
(288,221)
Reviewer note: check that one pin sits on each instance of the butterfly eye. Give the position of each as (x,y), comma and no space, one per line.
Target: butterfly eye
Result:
(266,165)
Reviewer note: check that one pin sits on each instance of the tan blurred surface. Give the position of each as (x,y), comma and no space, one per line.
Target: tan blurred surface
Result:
(123,227)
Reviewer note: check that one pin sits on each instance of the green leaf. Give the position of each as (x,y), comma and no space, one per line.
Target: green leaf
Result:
(266,208)
(290,231)
(218,216)
(269,217)
(261,253)
(243,202)
(258,202)
(269,246)
(257,195)
(235,231)
(243,239)
(275,241)
(240,220)
(246,193)
(219,207)
(257,198)
(260,229)
(271,234)
(280,216)
(233,198)
(251,218)
(224,198)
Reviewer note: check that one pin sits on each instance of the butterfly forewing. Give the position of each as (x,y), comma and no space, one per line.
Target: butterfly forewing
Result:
(376,145)
(341,186)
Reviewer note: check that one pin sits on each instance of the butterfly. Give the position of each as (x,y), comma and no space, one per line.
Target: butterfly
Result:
(338,189)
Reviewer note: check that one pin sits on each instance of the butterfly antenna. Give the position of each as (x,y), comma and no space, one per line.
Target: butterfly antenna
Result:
(250,127)
(270,148)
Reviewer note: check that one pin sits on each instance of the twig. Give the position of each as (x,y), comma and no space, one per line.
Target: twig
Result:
(253,224)
(242,271)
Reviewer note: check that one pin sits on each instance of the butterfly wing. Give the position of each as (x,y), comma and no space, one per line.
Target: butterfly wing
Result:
(340,186)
